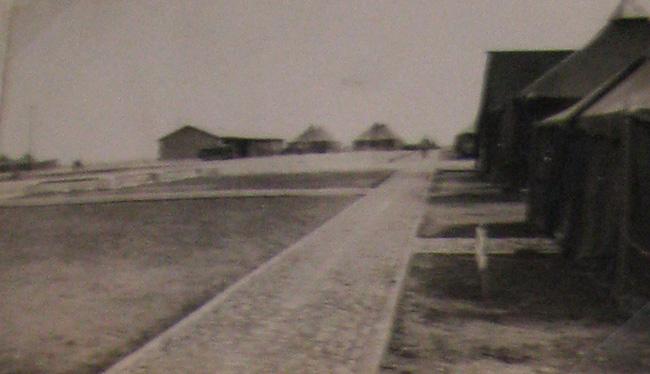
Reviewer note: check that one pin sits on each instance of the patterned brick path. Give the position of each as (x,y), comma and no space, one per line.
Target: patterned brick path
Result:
(324,305)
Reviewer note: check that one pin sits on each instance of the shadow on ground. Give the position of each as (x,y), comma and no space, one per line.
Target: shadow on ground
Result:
(498,230)
(542,316)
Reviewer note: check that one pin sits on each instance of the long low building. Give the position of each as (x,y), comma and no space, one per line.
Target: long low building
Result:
(191,142)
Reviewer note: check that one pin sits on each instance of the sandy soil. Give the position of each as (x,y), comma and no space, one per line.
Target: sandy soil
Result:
(83,285)
(542,317)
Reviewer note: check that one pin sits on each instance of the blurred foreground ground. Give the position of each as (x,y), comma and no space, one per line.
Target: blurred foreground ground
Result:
(543,315)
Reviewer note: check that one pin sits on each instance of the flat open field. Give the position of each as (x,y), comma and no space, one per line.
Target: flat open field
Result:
(543,316)
(82,285)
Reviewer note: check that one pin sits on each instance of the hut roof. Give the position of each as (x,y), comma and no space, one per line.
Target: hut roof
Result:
(618,44)
(189,128)
(377,131)
(314,134)
(186,129)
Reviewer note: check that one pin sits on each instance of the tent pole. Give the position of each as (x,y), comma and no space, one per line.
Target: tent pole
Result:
(623,255)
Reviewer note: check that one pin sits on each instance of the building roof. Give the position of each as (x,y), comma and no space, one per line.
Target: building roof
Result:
(377,131)
(619,43)
(314,134)
(188,128)
(508,72)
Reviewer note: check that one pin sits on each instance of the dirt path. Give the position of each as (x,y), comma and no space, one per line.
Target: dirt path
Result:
(323,305)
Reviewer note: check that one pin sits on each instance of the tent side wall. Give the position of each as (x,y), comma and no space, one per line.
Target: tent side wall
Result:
(591,189)
(379,145)
(511,167)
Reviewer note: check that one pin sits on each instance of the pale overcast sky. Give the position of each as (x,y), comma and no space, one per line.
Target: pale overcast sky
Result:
(104,79)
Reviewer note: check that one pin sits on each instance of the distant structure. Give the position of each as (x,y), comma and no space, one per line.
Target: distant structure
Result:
(506,74)
(191,142)
(378,137)
(465,145)
(313,140)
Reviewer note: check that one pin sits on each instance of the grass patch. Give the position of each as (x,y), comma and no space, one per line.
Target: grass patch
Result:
(363,179)
(82,285)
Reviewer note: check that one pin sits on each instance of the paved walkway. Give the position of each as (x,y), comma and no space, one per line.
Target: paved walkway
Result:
(324,305)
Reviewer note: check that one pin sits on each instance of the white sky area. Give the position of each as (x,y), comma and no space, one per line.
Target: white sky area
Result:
(102,80)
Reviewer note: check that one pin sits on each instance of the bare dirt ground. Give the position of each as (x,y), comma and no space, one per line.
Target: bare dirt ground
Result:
(83,285)
(543,315)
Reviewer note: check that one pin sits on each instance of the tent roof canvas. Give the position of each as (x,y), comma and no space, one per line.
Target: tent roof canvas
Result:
(595,96)
(630,96)
(629,9)
(618,44)
(376,132)
(314,134)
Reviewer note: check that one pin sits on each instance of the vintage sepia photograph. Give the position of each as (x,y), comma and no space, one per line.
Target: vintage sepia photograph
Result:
(324,186)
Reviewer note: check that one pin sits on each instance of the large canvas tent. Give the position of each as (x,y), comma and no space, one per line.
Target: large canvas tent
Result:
(622,41)
(378,137)
(506,73)
(605,178)
(551,139)
(315,139)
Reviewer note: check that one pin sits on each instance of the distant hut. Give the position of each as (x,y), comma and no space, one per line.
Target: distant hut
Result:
(623,40)
(601,174)
(506,74)
(313,140)
(378,137)
(190,142)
